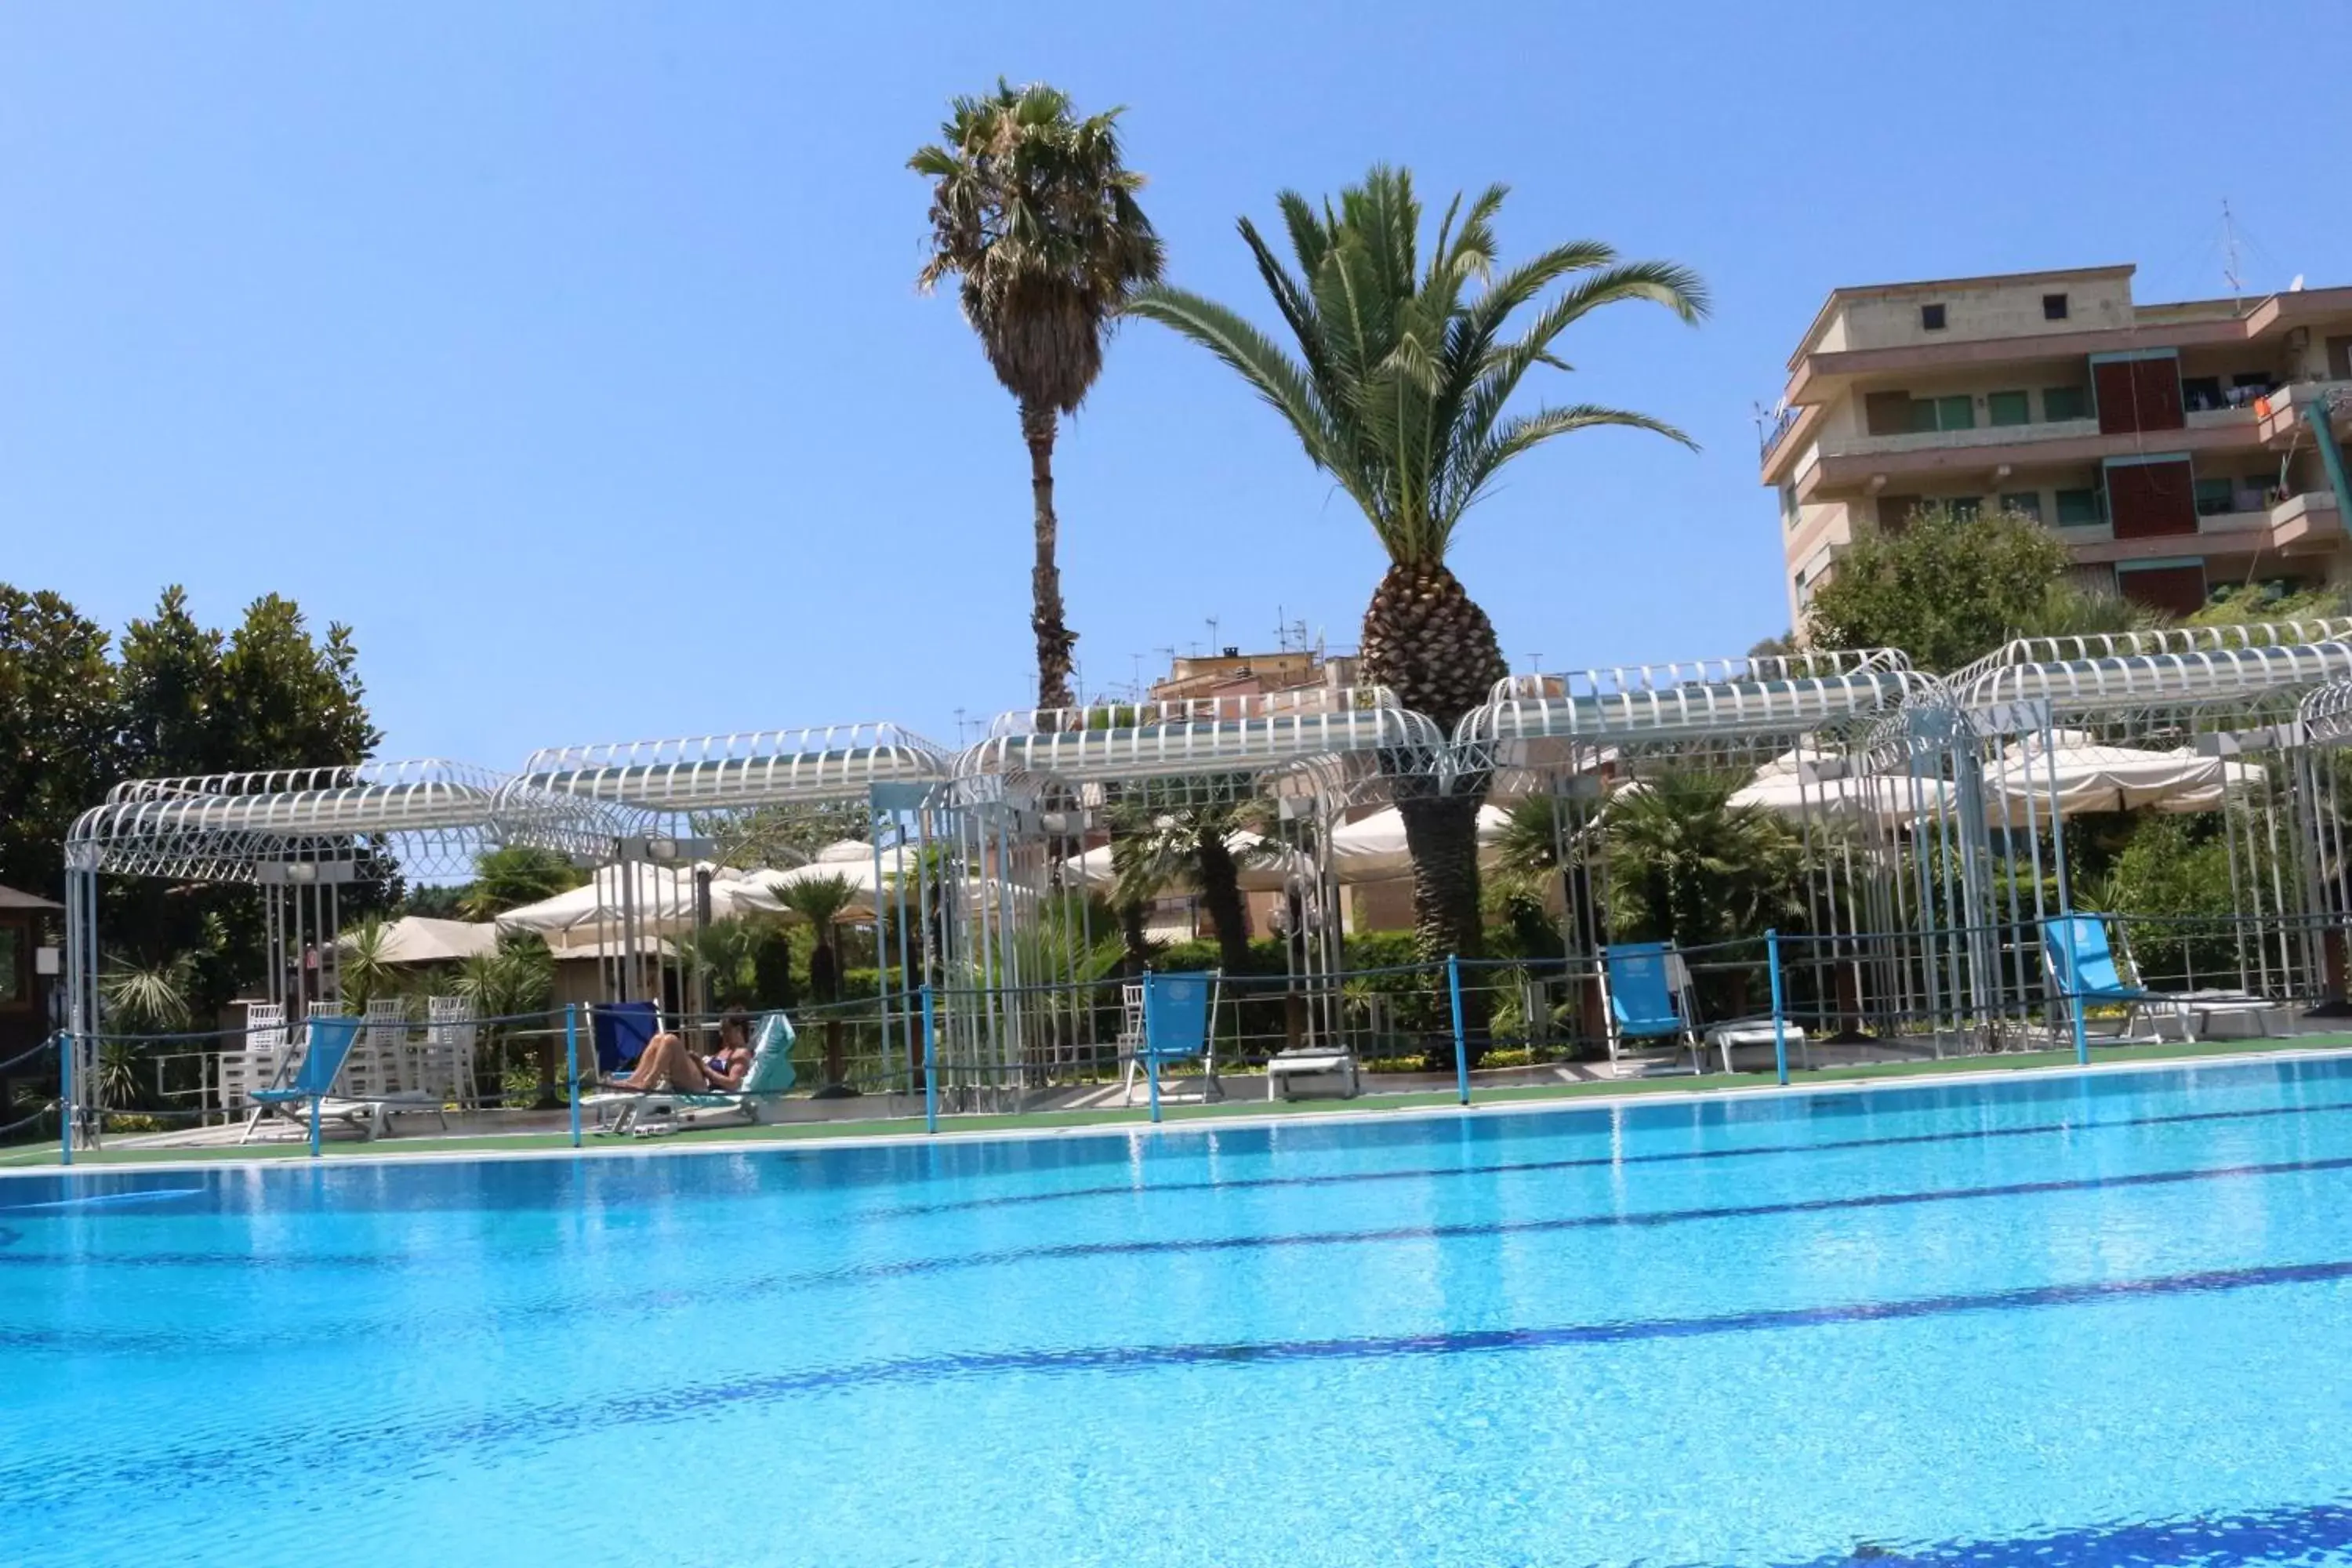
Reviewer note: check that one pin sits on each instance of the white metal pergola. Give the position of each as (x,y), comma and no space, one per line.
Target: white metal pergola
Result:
(1584,738)
(1043,780)
(2232,693)
(682,801)
(301,837)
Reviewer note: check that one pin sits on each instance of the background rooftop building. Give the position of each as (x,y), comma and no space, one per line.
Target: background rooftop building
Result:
(2165,443)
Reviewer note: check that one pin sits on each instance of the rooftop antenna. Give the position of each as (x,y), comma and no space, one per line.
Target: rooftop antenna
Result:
(2230,256)
(1212,622)
(959,713)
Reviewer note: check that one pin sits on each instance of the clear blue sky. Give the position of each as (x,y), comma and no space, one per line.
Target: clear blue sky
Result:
(571,351)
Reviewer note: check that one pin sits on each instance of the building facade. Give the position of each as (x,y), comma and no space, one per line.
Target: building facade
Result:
(2167,445)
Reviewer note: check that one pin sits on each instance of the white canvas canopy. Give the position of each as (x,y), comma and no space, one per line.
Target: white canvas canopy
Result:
(664,898)
(852,860)
(414,938)
(2093,777)
(1373,849)
(1790,784)
(1265,866)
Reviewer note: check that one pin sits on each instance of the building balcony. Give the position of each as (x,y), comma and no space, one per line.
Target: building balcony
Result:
(1841,465)
(2306,522)
(2280,416)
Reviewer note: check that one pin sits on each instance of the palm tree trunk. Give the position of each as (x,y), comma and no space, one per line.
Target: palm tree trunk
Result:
(1131,935)
(1045,612)
(1221,895)
(1440,834)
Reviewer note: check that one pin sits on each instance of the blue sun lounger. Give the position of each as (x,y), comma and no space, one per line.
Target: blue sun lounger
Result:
(1648,992)
(1179,1013)
(2085,969)
(621,1031)
(327,1045)
(771,1078)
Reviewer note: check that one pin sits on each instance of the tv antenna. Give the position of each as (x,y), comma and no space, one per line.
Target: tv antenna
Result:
(2230,255)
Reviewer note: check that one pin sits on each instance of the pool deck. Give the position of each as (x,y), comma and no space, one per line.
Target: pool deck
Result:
(1488,1097)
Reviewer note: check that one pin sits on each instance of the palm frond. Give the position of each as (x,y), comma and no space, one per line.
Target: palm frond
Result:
(1401,382)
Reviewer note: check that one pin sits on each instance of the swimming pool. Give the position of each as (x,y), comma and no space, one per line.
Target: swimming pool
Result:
(2067,1320)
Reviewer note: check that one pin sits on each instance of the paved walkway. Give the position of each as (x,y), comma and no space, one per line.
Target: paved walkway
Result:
(552,1139)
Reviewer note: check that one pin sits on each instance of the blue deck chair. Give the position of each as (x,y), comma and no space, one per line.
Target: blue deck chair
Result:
(771,1078)
(621,1031)
(327,1046)
(2084,968)
(1180,1013)
(1648,992)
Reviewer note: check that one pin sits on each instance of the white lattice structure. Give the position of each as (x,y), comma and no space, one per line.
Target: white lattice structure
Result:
(301,837)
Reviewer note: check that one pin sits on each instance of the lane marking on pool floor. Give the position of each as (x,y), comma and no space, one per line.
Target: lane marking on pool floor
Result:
(1592,1161)
(61,1477)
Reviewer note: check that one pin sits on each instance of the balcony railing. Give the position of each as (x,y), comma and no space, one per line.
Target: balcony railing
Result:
(1946,441)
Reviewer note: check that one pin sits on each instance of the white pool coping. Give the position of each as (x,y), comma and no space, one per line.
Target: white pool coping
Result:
(1193,1126)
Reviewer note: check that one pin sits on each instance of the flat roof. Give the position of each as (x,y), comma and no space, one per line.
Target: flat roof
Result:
(1930,284)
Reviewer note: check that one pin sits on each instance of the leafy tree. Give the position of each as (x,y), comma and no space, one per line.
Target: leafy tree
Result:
(785,835)
(2176,869)
(2255,602)
(1400,387)
(1034,212)
(511,984)
(435,901)
(514,875)
(771,968)
(60,733)
(1951,586)
(264,696)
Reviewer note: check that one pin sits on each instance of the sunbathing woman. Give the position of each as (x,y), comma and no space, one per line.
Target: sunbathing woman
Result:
(668,1064)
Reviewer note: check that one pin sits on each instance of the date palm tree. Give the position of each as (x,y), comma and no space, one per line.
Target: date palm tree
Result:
(1034,213)
(1400,387)
(822,901)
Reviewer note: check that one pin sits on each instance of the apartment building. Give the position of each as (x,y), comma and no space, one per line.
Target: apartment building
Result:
(2167,444)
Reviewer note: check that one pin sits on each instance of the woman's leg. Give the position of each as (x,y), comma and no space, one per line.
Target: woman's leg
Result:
(656,1067)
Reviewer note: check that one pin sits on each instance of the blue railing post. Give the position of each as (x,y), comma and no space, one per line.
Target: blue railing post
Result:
(65,1099)
(571,1064)
(1150,1054)
(1779,1020)
(2082,1036)
(930,1065)
(1461,1041)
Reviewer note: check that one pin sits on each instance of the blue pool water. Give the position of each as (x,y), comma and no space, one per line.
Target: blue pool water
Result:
(2082,1320)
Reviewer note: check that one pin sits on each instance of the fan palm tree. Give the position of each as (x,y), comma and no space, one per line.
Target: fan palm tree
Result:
(1688,866)
(362,967)
(820,900)
(1152,850)
(152,999)
(515,875)
(1400,387)
(1034,212)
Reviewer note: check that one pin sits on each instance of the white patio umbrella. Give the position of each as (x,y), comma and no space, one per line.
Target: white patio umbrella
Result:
(415,939)
(852,860)
(2090,777)
(1260,872)
(1373,849)
(664,899)
(1791,786)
